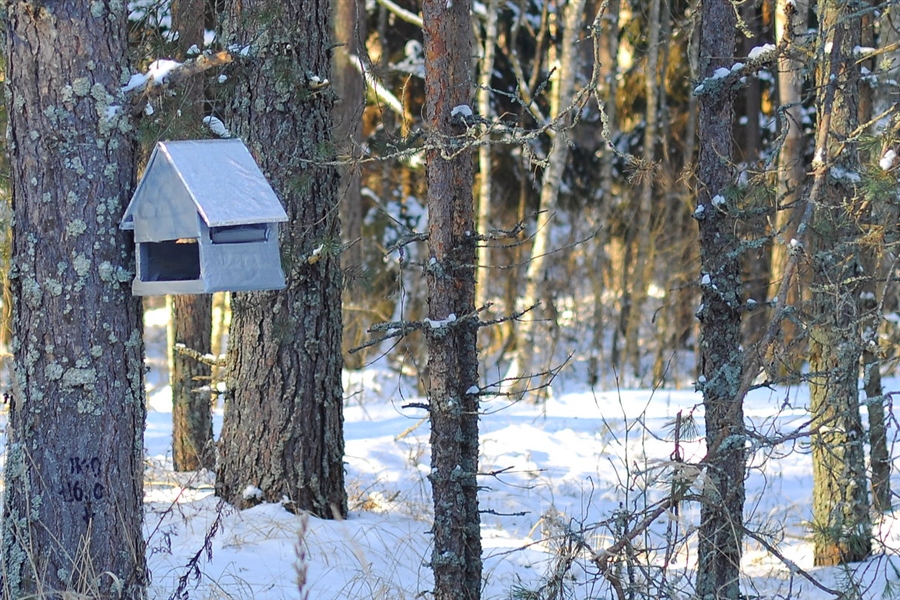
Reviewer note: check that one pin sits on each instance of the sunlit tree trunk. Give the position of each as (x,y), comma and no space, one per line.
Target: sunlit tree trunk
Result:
(531,355)
(607,43)
(283,426)
(644,253)
(483,102)
(453,326)
(73,500)
(721,358)
(790,20)
(841,525)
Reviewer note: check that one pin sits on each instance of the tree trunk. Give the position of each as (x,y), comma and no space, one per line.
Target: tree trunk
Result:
(840,501)
(282,432)
(721,357)
(871,304)
(485,176)
(643,221)
(191,316)
(790,20)
(349,22)
(74,485)
(192,435)
(757,261)
(450,277)
(529,354)
(608,53)
(879,453)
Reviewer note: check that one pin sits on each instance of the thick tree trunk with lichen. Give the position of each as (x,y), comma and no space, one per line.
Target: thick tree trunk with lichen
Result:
(841,523)
(74,487)
(191,316)
(283,426)
(450,276)
(721,358)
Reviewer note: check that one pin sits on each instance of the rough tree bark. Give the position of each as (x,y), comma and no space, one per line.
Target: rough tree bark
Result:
(841,523)
(283,425)
(450,277)
(721,357)
(74,485)
(191,316)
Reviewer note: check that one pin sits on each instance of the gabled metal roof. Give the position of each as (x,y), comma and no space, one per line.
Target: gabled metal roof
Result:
(219,177)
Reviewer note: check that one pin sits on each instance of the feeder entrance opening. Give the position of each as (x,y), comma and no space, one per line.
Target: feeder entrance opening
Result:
(239,234)
(171,260)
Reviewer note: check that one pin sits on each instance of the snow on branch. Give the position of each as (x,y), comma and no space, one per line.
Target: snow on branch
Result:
(399,329)
(728,78)
(163,74)
(206,359)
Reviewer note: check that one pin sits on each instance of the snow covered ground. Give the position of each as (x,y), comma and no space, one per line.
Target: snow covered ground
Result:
(569,469)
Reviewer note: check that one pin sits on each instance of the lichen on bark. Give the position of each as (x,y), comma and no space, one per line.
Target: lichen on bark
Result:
(76,415)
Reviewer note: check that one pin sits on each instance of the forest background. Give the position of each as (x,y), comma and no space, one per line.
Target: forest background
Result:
(667,194)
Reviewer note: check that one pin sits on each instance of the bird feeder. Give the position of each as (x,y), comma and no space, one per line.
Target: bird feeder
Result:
(205,220)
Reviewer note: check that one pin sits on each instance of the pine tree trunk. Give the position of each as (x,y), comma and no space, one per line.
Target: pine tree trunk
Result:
(191,316)
(721,358)
(840,501)
(74,485)
(450,278)
(283,424)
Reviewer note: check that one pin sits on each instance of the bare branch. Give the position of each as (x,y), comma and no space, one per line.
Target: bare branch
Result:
(791,565)
(206,359)
(405,15)
(150,88)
